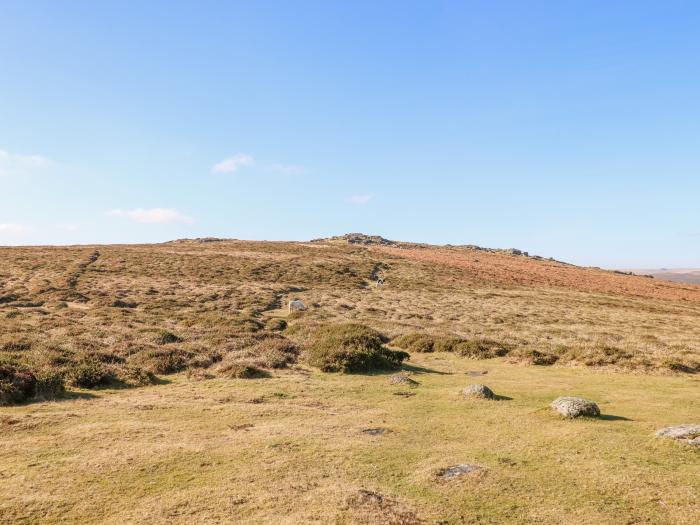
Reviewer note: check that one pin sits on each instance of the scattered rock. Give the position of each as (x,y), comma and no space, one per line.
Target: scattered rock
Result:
(456,471)
(401,379)
(374,431)
(575,407)
(358,238)
(478,391)
(405,394)
(689,434)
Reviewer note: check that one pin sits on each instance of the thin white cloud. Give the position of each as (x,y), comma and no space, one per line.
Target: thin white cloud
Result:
(10,228)
(232,164)
(12,163)
(359,199)
(153,216)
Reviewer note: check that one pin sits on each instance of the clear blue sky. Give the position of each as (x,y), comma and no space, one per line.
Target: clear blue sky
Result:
(568,129)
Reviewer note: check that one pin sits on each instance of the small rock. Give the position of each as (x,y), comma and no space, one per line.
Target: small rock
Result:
(402,380)
(575,407)
(457,470)
(689,434)
(479,391)
(374,431)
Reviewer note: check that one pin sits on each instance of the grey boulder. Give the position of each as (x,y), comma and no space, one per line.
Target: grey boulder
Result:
(689,434)
(478,391)
(575,407)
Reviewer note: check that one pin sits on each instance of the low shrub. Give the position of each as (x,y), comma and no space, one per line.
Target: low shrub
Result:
(271,352)
(415,342)
(161,360)
(241,370)
(120,303)
(49,383)
(89,374)
(165,337)
(135,376)
(16,384)
(276,325)
(687,366)
(351,348)
(478,348)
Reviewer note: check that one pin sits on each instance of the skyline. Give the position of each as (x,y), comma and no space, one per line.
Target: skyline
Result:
(567,131)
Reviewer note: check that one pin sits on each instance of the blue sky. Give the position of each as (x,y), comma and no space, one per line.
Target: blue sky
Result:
(568,129)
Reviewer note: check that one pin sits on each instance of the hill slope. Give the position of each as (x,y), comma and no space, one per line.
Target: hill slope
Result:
(228,422)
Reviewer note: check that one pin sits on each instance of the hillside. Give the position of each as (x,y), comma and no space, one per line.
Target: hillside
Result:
(680,275)
(190,396)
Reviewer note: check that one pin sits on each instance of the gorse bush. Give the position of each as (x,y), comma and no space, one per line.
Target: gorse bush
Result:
(352,348)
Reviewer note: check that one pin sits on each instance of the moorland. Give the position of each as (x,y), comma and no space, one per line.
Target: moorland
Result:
(171,383)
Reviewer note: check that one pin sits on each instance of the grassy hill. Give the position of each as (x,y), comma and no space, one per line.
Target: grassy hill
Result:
(189,395)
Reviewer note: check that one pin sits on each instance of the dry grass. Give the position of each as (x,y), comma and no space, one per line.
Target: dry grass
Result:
(245,434)
(162,309)
(290,449)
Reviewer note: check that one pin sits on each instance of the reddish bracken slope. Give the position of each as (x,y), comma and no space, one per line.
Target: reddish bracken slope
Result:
(483,266)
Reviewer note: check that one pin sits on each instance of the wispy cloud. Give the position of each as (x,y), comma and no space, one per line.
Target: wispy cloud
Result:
(153,216)
(10,228)
(13,163)
(233,164)
(359,199)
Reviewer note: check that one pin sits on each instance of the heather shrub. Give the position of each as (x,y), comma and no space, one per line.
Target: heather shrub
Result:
(478,348)
(165,337)
(238,369)
(16,384)
(161,360)
(415,342)
(276,325)
(352,348)
(49,383)
(89,374)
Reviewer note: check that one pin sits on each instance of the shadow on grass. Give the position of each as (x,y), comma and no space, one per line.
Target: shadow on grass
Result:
(70,395)
(423,370)
(116,384)
(502,398)
(610,417)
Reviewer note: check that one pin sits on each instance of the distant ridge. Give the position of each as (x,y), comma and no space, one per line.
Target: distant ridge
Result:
(678,275)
